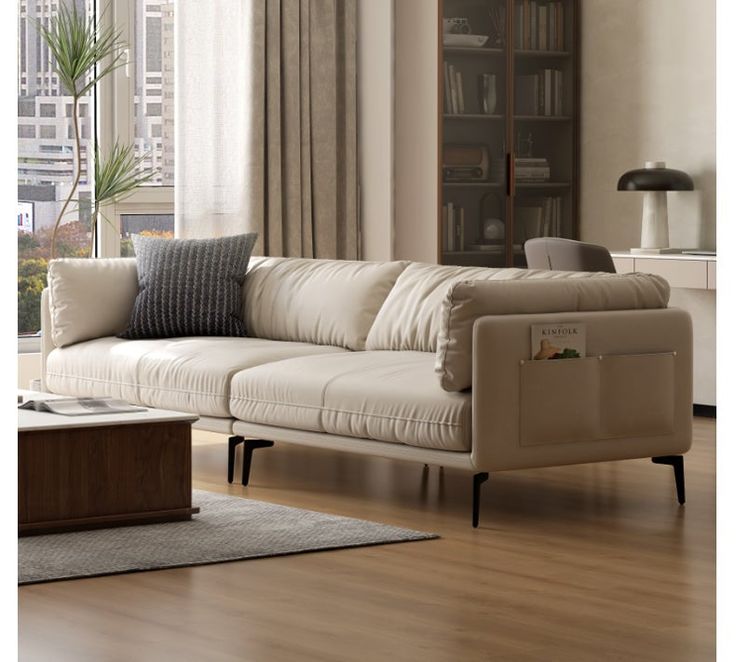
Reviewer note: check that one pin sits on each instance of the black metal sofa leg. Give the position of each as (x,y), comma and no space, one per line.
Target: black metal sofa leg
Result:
(478,480)
(232,444)
(249,445)
(677,462)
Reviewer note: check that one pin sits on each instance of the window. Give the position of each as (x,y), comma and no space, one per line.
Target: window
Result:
(134,103)
(26,107)
(151,225)
(153,44)
(45,171)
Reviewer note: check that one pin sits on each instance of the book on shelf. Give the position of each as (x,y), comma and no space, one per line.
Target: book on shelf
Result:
(454,94)
(528,169)
(540,26)
(453,220)
(449,228)
(543,28)
(539,218)
(448,91)
(540,94)
(460,96)
(454,105)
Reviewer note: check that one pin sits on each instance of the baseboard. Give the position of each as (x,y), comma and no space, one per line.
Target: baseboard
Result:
(708,411)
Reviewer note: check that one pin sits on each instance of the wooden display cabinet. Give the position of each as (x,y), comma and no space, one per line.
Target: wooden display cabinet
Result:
(508,129)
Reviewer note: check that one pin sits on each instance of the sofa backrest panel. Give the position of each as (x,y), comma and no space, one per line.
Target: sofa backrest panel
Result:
(90,298)
(410,317)
(327,302)
(409,320)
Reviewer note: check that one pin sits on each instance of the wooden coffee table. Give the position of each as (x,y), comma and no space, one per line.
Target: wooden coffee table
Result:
(101,470)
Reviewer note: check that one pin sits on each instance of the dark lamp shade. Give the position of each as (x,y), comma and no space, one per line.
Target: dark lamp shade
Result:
(655,179)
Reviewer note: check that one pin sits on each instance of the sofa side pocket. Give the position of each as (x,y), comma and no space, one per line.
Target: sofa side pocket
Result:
(559,401)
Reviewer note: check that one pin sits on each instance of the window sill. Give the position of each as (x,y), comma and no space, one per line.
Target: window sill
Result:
(29,344)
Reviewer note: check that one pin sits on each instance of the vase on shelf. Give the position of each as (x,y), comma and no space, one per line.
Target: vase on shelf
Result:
(487,93)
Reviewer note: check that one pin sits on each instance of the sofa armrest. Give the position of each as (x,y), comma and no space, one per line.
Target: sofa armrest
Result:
(90,298)
(630,397)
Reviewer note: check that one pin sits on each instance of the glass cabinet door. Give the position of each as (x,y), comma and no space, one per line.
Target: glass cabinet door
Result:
(544,121)
(473,132)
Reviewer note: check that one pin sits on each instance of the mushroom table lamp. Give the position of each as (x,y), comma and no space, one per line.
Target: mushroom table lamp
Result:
(655,179)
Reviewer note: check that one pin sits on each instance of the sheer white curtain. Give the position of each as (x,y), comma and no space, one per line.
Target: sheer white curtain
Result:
(214,90)
(266,134)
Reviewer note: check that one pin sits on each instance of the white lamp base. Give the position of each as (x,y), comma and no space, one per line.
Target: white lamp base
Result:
(654,228)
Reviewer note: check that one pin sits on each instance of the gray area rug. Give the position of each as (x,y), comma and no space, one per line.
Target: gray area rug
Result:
(227,529)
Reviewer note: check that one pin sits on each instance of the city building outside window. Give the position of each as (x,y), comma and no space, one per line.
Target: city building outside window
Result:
(132,105)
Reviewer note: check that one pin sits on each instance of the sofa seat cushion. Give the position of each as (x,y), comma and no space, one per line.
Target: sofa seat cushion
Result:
(385,396)
(184,374)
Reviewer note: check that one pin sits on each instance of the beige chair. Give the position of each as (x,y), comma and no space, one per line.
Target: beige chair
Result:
(567,255)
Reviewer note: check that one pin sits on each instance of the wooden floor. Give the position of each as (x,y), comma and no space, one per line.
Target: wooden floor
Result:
(593,562)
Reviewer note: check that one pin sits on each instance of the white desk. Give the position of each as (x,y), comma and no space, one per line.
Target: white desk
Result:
(693,282)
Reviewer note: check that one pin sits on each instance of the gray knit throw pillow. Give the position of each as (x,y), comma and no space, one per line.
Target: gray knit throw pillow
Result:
(189,287)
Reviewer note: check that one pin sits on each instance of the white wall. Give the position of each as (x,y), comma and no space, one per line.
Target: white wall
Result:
(375,127)
(648,93)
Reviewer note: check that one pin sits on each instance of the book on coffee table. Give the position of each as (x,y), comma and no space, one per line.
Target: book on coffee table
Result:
(81,406)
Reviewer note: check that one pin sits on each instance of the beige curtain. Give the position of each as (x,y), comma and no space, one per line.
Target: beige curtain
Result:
(287,140)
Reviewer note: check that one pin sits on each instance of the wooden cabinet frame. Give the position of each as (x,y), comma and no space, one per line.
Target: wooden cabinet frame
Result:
(509,191)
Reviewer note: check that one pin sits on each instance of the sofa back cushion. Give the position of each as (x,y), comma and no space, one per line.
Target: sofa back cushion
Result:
(90,298)
(327,302)
(409,320)
(558,292)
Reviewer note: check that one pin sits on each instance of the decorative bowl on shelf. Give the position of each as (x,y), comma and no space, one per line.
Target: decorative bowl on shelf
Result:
(464,40)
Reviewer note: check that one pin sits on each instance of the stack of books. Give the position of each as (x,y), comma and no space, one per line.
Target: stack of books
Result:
(454,97)
(540,94)
(453,223)
(540,26)
(531,170)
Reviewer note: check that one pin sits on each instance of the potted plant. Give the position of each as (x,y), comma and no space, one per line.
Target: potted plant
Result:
(83,55)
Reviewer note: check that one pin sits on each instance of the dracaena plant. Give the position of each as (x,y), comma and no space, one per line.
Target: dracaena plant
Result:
(116,176)
(83,54)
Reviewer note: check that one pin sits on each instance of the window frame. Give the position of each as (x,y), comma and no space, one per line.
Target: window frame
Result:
(116,118)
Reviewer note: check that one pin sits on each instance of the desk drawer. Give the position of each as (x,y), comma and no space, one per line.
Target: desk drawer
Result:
(678,273)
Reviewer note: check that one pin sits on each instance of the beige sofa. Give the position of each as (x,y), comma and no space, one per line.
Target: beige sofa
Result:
(402,360)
